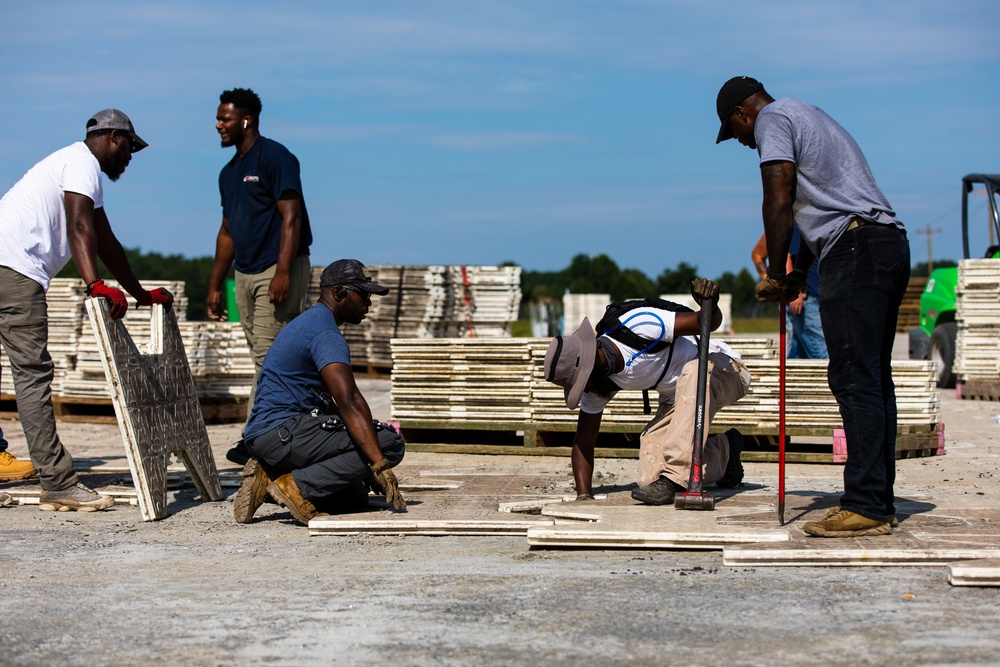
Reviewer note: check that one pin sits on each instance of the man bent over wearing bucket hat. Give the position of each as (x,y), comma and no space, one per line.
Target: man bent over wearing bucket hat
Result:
(315,447)
(592,369)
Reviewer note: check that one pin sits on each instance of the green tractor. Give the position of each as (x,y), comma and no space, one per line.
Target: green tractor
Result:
(935,339)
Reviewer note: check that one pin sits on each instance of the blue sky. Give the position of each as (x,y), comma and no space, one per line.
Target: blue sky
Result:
(479,132)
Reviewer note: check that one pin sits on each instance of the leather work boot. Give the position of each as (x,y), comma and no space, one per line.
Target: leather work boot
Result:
(660,492)
(11,468)
(893,521)
(5,499)
(847,524)
(286,492)
(77,498)
(252,491)
(734,469)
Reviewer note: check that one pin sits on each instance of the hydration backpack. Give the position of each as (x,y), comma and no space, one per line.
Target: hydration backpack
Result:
(611,325)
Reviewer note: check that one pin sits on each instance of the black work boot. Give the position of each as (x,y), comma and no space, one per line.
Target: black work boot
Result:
(660,492)
(734,469)
(239,453)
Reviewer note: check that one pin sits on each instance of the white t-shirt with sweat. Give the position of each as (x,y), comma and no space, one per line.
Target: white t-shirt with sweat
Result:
(33,238)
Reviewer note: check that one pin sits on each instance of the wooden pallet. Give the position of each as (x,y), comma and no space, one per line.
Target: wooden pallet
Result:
(978,390)
(215,410)
(372,368)
(617,440)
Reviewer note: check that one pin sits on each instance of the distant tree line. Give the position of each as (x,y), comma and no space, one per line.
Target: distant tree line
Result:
(584,275)
(602,275)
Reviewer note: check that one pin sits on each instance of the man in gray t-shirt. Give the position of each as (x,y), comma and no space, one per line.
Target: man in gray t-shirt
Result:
(815,176)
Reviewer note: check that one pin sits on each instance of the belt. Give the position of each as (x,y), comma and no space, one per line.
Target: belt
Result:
(858,222)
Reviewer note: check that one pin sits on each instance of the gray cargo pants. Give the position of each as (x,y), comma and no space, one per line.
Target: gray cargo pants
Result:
(24,334)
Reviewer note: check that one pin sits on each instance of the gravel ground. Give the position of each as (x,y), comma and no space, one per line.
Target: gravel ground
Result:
(199,589)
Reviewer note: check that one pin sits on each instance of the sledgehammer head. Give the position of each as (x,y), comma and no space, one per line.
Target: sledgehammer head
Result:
(694,501)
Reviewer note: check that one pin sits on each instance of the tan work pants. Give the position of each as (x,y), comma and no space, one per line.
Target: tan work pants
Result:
(261,319)
(665,444)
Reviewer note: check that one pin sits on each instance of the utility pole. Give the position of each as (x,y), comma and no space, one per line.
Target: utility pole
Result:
(928,232)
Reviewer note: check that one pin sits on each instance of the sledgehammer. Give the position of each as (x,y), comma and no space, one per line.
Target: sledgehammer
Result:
(695,498)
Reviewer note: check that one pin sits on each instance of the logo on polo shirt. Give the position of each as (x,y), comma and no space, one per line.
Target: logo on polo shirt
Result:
(251,179)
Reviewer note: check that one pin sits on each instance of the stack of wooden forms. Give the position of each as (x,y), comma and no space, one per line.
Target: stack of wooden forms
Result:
(473,380)
(909,309)
(578,306)
(221,363)
(220,360)
(500,385)
(431,302)
(977,349)
(496,380)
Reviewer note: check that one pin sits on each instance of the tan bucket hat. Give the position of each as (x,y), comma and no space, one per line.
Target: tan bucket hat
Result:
(570,360)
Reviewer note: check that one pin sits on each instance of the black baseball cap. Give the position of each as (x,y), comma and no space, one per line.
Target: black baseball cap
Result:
(351,272)
(731,95)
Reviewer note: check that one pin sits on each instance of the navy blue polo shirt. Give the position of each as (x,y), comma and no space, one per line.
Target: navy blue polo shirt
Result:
(250,186)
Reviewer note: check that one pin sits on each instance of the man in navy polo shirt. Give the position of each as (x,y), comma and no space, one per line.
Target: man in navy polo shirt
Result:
(265,231)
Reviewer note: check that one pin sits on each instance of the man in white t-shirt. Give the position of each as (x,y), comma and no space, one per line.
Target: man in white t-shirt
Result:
(592,369)
(56,211)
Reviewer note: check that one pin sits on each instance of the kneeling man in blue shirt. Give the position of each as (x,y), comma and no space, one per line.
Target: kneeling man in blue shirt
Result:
(314,444)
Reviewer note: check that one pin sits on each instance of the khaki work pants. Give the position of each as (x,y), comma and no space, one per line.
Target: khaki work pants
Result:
(24,334)
(261,319)
(665,444)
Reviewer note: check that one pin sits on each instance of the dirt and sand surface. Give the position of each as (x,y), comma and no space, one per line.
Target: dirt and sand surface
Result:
(198,589)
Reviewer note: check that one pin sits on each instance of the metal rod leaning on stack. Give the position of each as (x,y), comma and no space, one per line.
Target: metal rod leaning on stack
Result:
(695,498)
(781,413)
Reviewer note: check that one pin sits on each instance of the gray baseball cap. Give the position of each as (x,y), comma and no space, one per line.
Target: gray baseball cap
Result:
(113,119)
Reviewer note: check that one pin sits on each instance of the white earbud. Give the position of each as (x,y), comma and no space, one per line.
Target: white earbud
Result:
(244,124)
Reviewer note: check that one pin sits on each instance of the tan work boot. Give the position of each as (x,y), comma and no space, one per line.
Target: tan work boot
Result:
(893,521)
(5,499)
(847,524)
(77,498)
(252,491)
(11,468)
(286,492)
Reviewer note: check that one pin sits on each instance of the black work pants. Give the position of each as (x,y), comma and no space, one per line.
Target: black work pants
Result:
(862,281)
(322,462)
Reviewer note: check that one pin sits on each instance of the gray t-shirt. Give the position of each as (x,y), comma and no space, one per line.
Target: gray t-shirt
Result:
(833,180)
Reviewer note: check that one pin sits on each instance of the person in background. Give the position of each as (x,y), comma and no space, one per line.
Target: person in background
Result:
(265,232)
(802,317)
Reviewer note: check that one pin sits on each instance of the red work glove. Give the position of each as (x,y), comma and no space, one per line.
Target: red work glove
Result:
(119,306)
(158,295)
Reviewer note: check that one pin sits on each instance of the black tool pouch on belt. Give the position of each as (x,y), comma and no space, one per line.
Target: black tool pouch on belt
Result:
(611,326)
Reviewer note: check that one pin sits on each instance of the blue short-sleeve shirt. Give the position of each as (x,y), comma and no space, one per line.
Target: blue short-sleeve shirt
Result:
(290,377)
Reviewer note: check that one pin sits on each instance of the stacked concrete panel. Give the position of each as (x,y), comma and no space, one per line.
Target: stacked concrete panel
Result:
(977,348)
(220,360)
(503,379)
(431,302)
